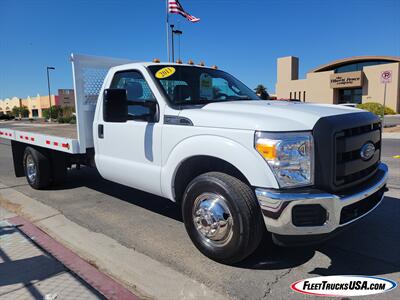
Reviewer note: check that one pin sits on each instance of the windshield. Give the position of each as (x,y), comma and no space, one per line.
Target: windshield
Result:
(185,85)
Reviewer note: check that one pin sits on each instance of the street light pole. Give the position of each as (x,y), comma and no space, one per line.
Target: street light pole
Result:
(177,32)
(172,42)
(48,85)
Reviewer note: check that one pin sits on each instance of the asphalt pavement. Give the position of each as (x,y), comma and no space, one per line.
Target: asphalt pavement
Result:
(153,226)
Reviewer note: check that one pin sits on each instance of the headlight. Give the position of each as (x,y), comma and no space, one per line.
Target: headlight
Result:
(290,156)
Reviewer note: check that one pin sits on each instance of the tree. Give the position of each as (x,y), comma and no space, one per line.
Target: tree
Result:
(261,92)
(15,111)
(19,112)
(24,111)
(56,111)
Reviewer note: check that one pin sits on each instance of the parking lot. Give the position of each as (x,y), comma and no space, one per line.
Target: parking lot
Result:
(153,226)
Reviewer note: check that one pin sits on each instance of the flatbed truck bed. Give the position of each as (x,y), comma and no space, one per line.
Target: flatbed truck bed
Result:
(53,129)
(61,137)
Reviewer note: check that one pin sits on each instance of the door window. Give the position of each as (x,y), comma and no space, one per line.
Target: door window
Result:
(136,88)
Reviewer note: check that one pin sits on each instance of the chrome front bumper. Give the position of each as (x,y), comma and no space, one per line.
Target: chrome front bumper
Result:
(277,206)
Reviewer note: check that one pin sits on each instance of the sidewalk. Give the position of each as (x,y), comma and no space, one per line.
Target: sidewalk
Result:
(27,272)
(391,135)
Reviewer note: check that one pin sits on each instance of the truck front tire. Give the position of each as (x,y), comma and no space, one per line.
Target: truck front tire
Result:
(222,217)
(37,168)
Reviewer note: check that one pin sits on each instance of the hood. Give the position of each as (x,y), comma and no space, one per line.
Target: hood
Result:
(263,115)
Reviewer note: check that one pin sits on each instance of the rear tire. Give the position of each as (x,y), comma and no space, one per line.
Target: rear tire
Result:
(37,168)
(222,217)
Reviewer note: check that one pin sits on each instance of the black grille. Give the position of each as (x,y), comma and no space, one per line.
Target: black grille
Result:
(360,208)
(308,215)
(338,140)
(350,167)
(361,129)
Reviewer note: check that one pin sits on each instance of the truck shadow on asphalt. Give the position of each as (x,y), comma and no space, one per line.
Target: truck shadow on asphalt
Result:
(355,251)
(90,178)
(369,247)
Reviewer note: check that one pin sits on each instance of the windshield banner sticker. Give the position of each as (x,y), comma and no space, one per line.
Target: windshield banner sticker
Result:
(165,72)
(343,285)
(206,88)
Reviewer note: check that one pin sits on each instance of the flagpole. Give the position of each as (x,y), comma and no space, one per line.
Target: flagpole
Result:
(167,27)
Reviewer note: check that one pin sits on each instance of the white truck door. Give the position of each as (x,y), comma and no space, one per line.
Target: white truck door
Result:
(130,152)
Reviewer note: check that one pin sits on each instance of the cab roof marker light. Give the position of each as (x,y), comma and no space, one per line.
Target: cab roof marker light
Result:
(214,67)
(202,64)
(190,62)
(179,61)
(156,60)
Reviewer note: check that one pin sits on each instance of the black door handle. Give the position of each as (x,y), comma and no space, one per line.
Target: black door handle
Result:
(100,131)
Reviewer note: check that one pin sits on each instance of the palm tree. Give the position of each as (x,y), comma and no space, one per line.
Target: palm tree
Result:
(261,92)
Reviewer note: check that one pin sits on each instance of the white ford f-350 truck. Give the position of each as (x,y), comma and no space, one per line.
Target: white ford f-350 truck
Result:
(237,165)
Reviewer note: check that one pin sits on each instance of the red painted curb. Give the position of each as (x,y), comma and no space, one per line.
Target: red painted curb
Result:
(99,281)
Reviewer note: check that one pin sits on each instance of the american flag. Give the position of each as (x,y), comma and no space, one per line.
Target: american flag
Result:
(174,7)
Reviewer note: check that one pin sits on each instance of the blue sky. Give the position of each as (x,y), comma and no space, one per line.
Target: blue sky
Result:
(242,37)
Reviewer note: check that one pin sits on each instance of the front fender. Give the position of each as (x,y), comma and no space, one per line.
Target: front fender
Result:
(246,160)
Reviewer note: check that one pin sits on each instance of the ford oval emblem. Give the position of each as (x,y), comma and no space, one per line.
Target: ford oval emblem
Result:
(367,151)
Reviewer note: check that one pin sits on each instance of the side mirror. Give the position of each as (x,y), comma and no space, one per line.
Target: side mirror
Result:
(115,105)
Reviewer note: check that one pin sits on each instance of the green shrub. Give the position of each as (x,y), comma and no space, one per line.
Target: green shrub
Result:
(376,108)
(63,114)
(67,119)
(45,113)
(56,112)
(67,111)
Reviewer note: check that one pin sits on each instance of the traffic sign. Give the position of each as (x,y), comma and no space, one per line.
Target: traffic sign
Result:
(386,76)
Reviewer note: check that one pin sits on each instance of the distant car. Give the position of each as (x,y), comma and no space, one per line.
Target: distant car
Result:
(6,117)
(349,104)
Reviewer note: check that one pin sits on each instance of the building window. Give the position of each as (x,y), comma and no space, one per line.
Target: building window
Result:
(295,95)
(350,96)
(35,113)
(351,67)
(299,95)
(304,96)
(290,95)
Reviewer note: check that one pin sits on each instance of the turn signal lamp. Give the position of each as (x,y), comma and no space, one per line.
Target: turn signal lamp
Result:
(267,150)
(156,60)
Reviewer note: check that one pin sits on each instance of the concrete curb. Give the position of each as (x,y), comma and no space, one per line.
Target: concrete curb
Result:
(145,276)
(391,135)
(100,282)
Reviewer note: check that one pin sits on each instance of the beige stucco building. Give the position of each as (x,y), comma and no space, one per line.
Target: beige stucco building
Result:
(350,80)
(36,104)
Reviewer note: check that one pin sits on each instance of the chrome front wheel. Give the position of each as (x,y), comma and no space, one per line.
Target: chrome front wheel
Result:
(222,217)
(213,219)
